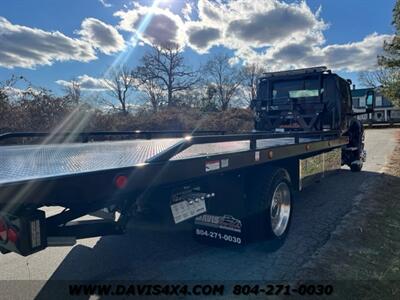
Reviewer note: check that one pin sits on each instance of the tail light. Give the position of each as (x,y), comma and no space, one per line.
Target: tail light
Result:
(24,234)
(7,232)
(121,181)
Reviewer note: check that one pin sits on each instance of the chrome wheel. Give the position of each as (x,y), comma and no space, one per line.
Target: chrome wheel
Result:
(280,209)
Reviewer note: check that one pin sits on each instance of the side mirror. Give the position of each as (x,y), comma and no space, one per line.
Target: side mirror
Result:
(370,101)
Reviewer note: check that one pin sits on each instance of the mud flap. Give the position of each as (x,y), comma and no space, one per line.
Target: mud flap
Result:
(219,230)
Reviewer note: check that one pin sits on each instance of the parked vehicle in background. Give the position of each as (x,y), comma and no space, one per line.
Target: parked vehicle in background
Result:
(384,113)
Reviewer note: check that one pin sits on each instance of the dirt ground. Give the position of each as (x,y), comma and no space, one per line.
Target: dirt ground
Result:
(362,257)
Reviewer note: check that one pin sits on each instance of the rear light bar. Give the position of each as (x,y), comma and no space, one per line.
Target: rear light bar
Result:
(24,234)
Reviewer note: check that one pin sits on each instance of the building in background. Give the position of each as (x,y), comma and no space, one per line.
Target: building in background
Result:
(384,112)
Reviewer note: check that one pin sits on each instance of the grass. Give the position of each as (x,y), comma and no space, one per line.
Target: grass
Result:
(362,257)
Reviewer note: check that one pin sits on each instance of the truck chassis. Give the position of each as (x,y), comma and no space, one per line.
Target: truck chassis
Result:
(219,182)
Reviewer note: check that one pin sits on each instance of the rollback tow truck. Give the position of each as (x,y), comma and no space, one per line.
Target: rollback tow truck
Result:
(233,188)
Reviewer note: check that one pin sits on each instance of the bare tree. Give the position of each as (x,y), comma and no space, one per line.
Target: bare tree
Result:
(251,74)
(164,66)
(18,88)
(73,91)
(152,91)
(120,84)
(380,77)
(225,78)
(13,80)
(386,79)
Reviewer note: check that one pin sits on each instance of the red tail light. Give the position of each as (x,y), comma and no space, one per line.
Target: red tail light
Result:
(121,181)
(7,233)
(12,235)
(24,234)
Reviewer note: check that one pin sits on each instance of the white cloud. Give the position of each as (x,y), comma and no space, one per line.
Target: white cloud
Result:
(201,38)
(275,23)
(355,56)
(86,83)
(254,24)
(101,36)
(153,25)
(278,35)
(105,4)
(27,47)
(210,12)
(187,11)
(351,57)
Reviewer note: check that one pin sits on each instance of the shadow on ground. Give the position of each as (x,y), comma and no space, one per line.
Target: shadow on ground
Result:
(159,255)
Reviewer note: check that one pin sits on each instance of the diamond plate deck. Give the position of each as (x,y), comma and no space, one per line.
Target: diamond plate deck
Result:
(24,162)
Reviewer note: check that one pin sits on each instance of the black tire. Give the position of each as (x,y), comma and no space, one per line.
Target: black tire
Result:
(356,167)
(258,221)
(356,139)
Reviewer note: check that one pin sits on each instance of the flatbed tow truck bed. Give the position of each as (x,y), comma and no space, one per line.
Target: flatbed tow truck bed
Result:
(22,163)
(113,175)
(159,161)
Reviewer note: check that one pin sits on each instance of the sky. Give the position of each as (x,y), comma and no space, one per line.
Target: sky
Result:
(53,42)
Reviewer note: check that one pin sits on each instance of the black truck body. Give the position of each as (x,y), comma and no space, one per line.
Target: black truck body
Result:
(227,185)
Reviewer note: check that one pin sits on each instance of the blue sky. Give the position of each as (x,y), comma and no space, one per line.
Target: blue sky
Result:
(51,42)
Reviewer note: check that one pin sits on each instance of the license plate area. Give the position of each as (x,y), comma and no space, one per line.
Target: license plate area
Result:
(187,204)
(185,210)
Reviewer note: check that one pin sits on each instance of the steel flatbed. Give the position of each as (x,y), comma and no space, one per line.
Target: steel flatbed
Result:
(33,162)
(86,177)
(177,158)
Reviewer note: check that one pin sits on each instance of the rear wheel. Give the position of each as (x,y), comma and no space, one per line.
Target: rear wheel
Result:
(356,166)
(270,206)
(355,155)
(280,209)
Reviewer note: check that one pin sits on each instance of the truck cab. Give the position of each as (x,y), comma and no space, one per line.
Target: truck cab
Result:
(313,99)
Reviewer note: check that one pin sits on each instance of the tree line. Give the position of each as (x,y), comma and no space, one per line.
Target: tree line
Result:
(163,79)
(161,92)
(387,77)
